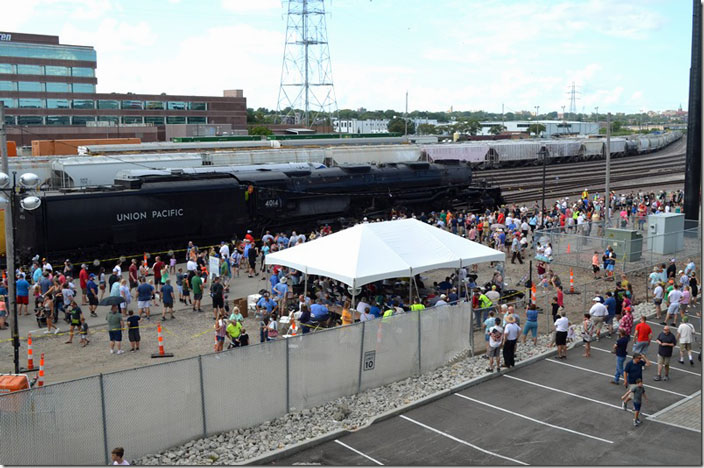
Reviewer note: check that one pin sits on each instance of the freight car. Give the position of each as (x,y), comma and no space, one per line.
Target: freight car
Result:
(161,211)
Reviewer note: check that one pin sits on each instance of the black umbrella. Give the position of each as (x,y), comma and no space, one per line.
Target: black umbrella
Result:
(112,300)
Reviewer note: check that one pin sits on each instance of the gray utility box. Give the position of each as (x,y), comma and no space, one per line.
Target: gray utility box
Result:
(627,243)
(666,232)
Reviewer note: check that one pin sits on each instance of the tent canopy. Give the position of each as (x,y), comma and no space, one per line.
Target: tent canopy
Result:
(371,252)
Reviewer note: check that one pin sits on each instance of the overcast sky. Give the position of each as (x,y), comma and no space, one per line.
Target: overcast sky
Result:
(624,55)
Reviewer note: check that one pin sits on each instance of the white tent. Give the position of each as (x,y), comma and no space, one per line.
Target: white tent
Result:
(391,249)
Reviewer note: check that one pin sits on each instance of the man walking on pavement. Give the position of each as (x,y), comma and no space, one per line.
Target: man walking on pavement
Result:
(643,336)
(666,342)
(685,335)
(632,373)
(621,350)
(597,313)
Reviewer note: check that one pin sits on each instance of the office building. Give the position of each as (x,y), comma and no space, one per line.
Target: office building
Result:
(49,91)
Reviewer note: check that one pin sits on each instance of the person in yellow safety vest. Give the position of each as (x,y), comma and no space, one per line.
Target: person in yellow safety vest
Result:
(485,304)
(585,195)
(417,305)
(387,313)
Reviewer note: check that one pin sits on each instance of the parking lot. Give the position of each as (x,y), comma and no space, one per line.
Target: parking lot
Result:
(552,412)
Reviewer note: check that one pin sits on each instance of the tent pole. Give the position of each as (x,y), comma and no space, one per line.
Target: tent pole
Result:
(305,285)
(410,287)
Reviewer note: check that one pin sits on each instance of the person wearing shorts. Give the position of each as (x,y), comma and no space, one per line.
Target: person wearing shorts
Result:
(144,296)
(115,326)
(495,338)
(133,330)
(598,313)
(667,342)
(562,325)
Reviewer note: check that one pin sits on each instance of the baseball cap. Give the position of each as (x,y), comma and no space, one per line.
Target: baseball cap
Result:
(596,299)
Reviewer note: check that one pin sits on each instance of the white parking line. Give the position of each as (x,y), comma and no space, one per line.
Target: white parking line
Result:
(569,393)
(534,420)
(609,375)
(461,441)
(671,367)
(359,453)
(658,323)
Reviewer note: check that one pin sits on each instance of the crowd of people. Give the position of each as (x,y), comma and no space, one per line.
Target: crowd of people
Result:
(153,288)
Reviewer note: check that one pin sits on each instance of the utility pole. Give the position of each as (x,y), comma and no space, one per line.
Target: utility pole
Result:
(596,117)
(607,189)
(10,246)
(405,120)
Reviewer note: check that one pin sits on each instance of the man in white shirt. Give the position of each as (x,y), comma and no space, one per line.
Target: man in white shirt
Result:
(685,337)
(562,325)
(673,310)
(362,305)
(493,295)
(442,301)
(496,334)
(658,294)
(511,334)
(191,265)
(598,313)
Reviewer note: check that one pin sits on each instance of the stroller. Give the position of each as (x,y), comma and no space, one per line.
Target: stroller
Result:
(39,312)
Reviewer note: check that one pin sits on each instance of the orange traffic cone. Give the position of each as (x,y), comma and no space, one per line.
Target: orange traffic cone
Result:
(533,298)
(293,329)
(160,338)
(568,248)
(145,258)
(30,353)
(40,380)
(571,281)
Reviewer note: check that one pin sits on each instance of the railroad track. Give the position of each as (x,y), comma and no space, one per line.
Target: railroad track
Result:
(525,184)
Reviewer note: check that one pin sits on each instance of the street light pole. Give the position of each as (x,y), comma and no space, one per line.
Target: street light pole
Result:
(607,187)
(10,246)
(544,155)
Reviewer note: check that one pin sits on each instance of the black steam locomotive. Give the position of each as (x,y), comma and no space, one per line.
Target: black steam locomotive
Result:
(163,211)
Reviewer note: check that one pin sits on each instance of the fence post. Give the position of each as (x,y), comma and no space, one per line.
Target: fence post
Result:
(419,344)
(202,395)
(288,378)
(105,426)
(361,357)
(471,328)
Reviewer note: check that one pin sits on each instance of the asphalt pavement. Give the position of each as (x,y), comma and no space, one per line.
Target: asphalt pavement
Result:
(552,412)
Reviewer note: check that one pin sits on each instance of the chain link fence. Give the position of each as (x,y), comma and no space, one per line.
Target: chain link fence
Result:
(149,409)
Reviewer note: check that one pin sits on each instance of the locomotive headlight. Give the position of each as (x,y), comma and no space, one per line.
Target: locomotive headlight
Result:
(29,180)
(31,203)
(4,180)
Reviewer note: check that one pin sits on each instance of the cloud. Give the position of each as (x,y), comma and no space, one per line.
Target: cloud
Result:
(111,35)
(249,6)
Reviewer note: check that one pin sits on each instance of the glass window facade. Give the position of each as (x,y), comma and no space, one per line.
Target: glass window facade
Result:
(58,120)
(8,68)
(57,104)
(57,52)
(82,71)
(108,104)
(8,86)
(197,106)
(132,119)
(30,120)
(57,88)
(83,88)
(197,120)
(52,70)
(30,69)
(155,105)
(154,120)
(83,104)
(108,118)
(9,102)
(10,120)
(33,86)
(138,105)
(82,119)
(172,119)
(176,105)
(31,103)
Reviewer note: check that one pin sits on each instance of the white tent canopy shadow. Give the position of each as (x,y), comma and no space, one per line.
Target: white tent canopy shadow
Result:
(371,252)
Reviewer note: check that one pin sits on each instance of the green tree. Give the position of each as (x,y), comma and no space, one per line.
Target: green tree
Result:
(536,129)
(467,127)
(399,126)
(427,129)
(260,130)
(496,129)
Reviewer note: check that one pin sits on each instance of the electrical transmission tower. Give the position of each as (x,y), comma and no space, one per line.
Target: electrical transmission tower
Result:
(572,91)
(306,72)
